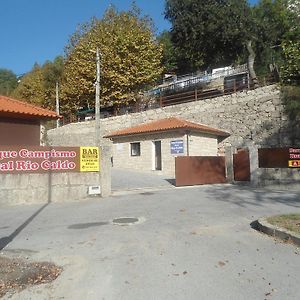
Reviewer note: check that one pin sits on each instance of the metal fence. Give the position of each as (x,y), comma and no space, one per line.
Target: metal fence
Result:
(229,85)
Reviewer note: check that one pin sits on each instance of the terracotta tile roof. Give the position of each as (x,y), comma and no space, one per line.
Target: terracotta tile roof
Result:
(170,124)
(14,108)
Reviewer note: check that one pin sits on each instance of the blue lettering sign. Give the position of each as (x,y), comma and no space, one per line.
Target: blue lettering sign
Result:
(177,147)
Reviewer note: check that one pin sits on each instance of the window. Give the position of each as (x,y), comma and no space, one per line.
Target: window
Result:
(135,149)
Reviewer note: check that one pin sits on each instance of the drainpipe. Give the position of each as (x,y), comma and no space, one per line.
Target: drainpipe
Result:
(187,143)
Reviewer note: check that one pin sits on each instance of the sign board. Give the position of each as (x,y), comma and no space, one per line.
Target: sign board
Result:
(279,157)
(89,159)
(294,163)
(177,147)
(48,159)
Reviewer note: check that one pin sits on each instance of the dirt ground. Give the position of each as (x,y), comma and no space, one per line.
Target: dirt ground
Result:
(16,274)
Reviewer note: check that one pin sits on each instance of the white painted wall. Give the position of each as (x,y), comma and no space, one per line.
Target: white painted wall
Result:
(198,145)
(203,145)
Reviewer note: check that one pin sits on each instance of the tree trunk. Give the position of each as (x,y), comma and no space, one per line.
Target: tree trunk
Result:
(251,59)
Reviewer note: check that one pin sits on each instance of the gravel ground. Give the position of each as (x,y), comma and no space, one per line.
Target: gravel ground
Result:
(16,274)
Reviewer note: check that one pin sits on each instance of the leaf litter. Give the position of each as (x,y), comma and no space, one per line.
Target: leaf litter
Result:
(16,274)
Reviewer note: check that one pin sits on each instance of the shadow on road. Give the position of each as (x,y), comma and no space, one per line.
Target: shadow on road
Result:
(245,195)
(8,239)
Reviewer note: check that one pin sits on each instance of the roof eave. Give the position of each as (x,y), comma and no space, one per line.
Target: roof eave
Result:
(218,134)
(18,115)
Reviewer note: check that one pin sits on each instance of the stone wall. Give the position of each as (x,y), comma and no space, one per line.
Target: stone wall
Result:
(257,116)
(46,187)
(287,178)
(56,187)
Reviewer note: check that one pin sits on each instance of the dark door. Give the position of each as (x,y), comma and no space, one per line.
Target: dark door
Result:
(241,165)
(157,147)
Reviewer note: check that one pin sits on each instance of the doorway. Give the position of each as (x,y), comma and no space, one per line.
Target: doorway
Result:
(157,156)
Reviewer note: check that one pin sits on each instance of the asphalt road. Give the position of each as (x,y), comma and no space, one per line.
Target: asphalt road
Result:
(124,180)
(191,243)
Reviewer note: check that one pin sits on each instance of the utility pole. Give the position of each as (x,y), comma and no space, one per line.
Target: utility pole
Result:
(97,100)
(57,105)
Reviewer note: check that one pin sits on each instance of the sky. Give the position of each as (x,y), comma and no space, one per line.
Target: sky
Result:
(34,31)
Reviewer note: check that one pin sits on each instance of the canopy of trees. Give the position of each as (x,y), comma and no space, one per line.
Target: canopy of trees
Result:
(130,59)
(208,33)
(8,82)
(204,34)
(275,23)
(38,86)
(214,33)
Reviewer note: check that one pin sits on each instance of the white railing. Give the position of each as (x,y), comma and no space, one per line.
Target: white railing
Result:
(187,80)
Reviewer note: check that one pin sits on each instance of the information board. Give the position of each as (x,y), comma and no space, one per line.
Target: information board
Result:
(177,147)
(89,159)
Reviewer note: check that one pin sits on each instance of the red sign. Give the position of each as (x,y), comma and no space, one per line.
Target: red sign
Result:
(279,157)
(42,159)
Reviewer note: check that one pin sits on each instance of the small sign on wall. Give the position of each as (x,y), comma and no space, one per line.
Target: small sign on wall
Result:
(89,159)
(177,147)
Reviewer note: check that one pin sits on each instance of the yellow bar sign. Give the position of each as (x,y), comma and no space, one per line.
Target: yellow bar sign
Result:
(294,163)
(89,159)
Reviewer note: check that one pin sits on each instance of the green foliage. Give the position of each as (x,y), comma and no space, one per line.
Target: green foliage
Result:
(169,59)
(291,97)
(8,82)
(130,59)
(38,85)
(274,23)
(30,87)
(208,33)
(52,74)
(290,70)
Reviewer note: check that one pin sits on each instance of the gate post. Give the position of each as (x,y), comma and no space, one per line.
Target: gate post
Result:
(253,156)
(229,163)
(105,173)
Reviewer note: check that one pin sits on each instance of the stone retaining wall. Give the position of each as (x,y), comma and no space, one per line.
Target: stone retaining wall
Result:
(257,116)
(287,178)
(46,187)
(56,187)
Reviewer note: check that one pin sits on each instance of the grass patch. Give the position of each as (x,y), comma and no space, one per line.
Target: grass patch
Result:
(290,222)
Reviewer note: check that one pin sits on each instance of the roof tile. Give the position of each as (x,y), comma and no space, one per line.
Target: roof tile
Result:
(166,125)
(17,108)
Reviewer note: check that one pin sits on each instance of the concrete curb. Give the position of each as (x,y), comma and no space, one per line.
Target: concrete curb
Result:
(264,226)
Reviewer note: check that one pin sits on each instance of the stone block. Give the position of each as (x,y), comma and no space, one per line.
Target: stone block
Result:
(11,181)
(59,178)
(90,178)
(39,180)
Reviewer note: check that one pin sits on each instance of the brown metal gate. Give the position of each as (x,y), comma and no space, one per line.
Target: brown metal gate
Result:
(192,170)
(241,165)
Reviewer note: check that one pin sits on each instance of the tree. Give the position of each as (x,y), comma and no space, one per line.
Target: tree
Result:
(52,74)
(275,22)
(38,85)
(130,59)
(30,87)
(169,60)
(8,82)
(208,33)
(290,70)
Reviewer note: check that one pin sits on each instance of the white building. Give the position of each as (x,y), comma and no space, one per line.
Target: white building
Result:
(154,145)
